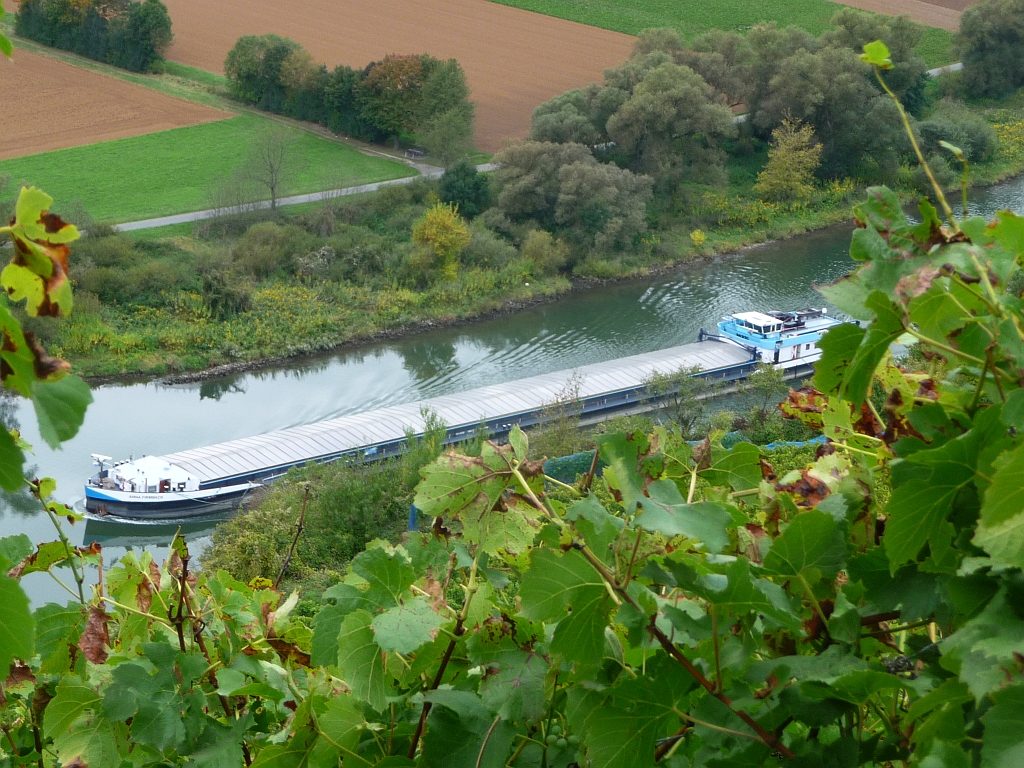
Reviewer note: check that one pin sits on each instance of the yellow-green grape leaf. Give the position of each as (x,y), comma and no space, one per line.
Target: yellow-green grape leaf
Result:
(23,283)
(877,55)
(32,215)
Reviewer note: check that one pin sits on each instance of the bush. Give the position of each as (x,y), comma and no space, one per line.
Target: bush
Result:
(545,254)
(975,136)
(464,186)
(487,250)
(941,170)
(269,248)
(115,251)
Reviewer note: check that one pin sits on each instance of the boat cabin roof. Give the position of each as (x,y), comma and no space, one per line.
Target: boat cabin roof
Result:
(151,468)
(758,320)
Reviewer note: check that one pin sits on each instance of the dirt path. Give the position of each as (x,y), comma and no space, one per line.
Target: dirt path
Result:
(943,14)
(59,105)
(514,59)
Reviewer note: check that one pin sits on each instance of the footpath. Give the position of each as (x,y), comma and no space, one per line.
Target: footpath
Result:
(426,172)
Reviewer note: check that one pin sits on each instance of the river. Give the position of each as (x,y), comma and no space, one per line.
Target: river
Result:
(603,323)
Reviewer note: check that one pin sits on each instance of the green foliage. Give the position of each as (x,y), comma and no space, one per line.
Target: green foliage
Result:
(463,186)
(444,233)
(991,46)
(130,34)
(792,162)
(545,254)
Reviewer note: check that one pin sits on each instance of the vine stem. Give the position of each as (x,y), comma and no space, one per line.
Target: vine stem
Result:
(917,150)
(459,631)
(610,584)
(295,539)
(487,738)
(69,550)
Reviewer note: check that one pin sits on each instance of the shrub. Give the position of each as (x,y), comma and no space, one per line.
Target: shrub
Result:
(269,248)
(487,250)
(546,254)
(115,251)
(462,185)
(941,170)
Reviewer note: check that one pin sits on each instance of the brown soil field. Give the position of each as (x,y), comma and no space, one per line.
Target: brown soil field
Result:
(943,14)
(514,59)
(54,105)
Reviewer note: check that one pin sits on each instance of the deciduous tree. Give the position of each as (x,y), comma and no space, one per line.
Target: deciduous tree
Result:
(793,159)
(443,231)
(391,94)
(991,46)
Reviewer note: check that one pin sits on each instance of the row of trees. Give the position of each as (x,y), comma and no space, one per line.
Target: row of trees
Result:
(128,34)
(398,95)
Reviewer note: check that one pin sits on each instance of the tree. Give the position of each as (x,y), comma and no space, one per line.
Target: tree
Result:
(446,114)
(671,126)
(725,60)
(685,397)
(271,162)
(254,65)
(602,206)
(465,188)
(567,119)
(5,45)
(792,161)
(853,29)
(391,94)
(141,36)
(828,90)
(446,234)
(991,47)
(527,180)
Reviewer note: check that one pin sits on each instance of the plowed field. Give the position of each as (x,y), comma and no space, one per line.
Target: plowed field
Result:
(514,59)
(52,105)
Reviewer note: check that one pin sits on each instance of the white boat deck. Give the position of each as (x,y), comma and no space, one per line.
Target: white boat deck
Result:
(364,431)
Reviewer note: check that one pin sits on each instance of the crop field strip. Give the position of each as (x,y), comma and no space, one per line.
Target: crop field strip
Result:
(92,107)
(175,171)
(514,60)
(693,17)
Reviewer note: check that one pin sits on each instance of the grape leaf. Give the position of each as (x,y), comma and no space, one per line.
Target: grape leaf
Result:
(57,631)
(739,467)
(1003,746)
(812,547)
(514,683)
(453,482)
(666,512)
(463,733)
(360,660)
(567,589)
(738,592)
(883,331)
(406,627)
(388,574)
(17,628)
(11,461)
(60,408)
(506,527)
(838,348)
(73,699)
(1001,529)
(14,549)
(90,741)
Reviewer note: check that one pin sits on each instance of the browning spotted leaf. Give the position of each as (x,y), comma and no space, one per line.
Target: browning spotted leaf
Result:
(808,490)
(49,555)
(805,404)
(289,651)
(38,272)
(95,639)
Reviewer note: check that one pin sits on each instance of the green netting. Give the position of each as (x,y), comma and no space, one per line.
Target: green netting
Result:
(568,468)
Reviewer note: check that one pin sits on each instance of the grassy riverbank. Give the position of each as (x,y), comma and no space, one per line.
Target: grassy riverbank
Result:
(348,271)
